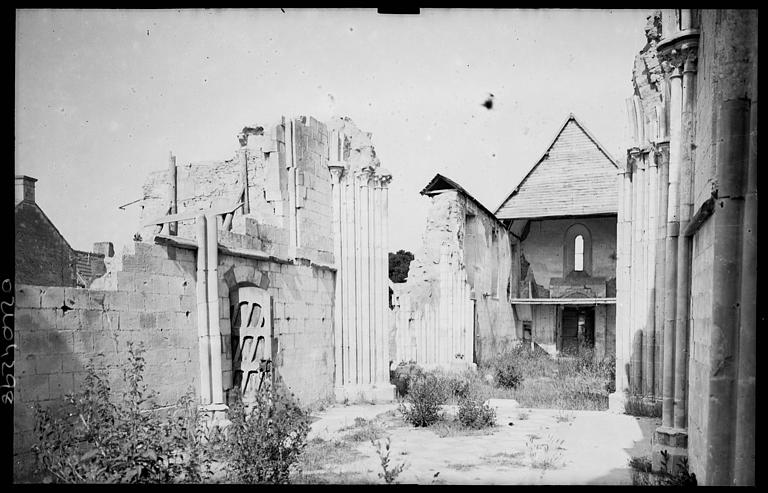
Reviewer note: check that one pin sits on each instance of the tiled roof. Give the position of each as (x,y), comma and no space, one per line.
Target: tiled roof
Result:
(576,176)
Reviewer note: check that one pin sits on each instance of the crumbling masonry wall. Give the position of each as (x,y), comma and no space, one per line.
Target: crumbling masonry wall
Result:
(461,240)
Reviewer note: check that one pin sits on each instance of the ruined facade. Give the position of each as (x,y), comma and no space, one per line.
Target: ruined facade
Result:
(562,217)
(268,265)
(687,240)
(541,269)
(453,308)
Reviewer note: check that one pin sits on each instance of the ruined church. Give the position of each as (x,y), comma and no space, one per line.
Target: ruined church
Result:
(541,269)
(273,263)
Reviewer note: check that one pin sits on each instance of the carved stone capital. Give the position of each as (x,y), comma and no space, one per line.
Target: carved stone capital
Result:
(337,172)
(672,62)
(691,60)
(661,154)
(384,177)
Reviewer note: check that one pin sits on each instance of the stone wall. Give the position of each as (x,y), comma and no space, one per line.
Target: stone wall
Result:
(461,237)
(543,247)
(61,329)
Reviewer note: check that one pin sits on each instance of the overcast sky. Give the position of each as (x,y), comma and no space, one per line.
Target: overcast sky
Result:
(103,95)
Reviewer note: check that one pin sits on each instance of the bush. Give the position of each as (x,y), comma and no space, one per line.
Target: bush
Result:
(91,439)
(264,444)
(422,404)
(475,413)
(508,374)
(401,376)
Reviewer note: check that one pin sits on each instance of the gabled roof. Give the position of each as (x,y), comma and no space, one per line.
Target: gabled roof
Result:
(575,176)
(442,183)
(25,204)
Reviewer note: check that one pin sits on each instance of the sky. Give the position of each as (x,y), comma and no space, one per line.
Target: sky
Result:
(102,96)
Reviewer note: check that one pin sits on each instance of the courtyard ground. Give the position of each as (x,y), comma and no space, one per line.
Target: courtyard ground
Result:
(528,446)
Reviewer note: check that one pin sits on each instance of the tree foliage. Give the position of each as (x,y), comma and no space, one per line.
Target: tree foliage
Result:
(398,265)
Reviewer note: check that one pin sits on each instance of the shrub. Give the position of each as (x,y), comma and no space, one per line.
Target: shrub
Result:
(265,443)
(401,376)
(476,414)
(508,374)
(91,438)
(422,404)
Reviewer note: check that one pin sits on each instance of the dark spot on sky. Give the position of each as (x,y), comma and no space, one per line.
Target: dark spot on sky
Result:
(281,10)
(147,32)
(493,155)
(351,29)
(488,103)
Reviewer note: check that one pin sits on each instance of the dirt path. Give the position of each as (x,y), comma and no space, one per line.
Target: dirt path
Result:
(540,446)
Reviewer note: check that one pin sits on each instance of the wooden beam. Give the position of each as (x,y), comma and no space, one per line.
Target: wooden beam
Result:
(563,301)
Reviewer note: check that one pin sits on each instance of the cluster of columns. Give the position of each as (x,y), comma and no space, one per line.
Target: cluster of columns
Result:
(654,256)
(654,250)
(361,309)
(440,333)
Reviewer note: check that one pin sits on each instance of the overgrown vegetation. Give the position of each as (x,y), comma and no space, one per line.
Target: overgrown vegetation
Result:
(636,406)
(544,453)
(644,475)
(475,413)
(421,406)
(264,443)
(543,381)
(364,430)
(92,438)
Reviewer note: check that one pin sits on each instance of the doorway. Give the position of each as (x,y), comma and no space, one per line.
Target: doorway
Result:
(578,328)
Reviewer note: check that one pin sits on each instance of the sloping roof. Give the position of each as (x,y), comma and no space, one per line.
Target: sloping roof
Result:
(442,183)
(575,176)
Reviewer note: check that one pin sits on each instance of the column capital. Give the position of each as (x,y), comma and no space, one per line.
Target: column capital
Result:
(661,153)
(679,59)
(384,176)
(337,172)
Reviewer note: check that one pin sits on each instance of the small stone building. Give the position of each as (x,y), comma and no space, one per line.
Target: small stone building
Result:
(43,256)
(562,219)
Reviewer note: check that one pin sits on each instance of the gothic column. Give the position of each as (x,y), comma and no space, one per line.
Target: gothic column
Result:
(673,65)
(337,170)
(685,245)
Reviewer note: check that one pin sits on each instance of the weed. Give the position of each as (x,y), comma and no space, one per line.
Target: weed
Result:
(644,475)
(364,430)
(522,416)
(474,413)
(544,454)
(389,474)
(461,467)
(564,417)
(94,438)
(422,404)
(636,406)
(264,444)
(320,453)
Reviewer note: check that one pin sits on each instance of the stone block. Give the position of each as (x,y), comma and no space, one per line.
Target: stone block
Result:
(47,363)
(110,320)
(32,319)
(91,319)
(83,342)
(142,282)
(115,300)
(51,297)
(147,321)
(176,286)
(126,281)
(104,343)
(136,302)
(23,417)
(159,284)
(60,342)
(130,320)
(61,385)
(187,303)
(28,296)
(166,320)
(35,387)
